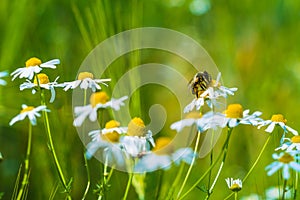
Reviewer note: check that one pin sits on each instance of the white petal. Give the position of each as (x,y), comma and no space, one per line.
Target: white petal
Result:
(50,63)
(285,172)
(2,82)
(275,168)
(270,128)
(292,130)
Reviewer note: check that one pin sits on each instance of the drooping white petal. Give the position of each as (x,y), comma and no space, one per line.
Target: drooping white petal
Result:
(50,64)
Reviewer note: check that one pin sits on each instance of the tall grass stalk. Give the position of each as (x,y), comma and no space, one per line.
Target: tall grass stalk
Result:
(51,145)
(254,164)
(208,170)
(24,182)
(191,165)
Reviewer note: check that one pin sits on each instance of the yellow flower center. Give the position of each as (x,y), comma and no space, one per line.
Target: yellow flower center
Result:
(213,82)
(112,124)
(98,97)
(234,111)
(136,127)
(112,136)
(235,187)
(278,118)
(33,62)
(163,146)
(296,139)
(83,75)
(193,115)
(286,158)
(43,79)
(29,108)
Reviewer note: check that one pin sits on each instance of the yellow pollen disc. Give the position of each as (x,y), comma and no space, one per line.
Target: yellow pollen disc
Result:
(286,158)
(163,146)
(33,62)
(278,118)
(136,127)
(234,111)
(98,97)
(111,137)
(193,115)
(296,139)
(29,108)
(235,187)
(43,79)
(83,75)
(112,124)
(213,82)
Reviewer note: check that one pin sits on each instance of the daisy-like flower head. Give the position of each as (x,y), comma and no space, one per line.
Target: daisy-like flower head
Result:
(207,121)
(43,82)
(3,74)
(163,155)
(234,115)
(290,144)
(136,127)
(208,91)
(33,66)
(286,161)
(30,112)
(137,141)
(234,185)
(85,80)
(277,119)
(97,100)
(105,138)
(275,193)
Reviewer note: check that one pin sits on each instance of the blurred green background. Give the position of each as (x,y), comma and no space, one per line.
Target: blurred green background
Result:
(254,44)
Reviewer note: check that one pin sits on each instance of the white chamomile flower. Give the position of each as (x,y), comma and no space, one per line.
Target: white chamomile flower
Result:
(234,185)
(290,144)
(105,138)
(137,141)
(275,193)
(33,66)
(207,90)
(286,161)
(30,112)
(85,80)
(3,74)
(207,121)
(97,100)
(163,156)
(43,82)
(234,115)
(277,119)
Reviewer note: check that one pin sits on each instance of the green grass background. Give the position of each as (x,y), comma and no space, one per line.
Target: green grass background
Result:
(254,44)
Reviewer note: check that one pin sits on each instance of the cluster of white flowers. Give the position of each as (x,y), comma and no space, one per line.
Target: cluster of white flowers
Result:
(233,116)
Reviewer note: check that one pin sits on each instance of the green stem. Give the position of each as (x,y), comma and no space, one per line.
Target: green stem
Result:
(229,131)
(176,181)
(284,190)
(296,185)
(51,147)
(88,177)
(86,165)
(128,185)
(26,163)
(191,165)
(235,196)
(255,163)
(208,170)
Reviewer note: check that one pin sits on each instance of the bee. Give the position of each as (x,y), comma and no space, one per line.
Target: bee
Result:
(200,83)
